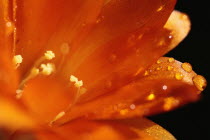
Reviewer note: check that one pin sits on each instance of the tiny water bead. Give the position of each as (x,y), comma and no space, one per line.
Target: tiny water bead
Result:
(171,60)
(179,76)
(151,96)
(169,68)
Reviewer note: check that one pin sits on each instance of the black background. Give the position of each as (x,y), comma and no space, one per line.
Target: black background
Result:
(192,122)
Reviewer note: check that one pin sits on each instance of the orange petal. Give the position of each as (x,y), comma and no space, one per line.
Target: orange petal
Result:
(13,116)
(179,24)
(116,48)
(46,97)
(136,129)
(166,85)
(47,24)
(8,77)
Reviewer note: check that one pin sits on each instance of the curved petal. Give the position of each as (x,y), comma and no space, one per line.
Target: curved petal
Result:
(136,129)
(47,24)
(121,58)
(165,86)
(13,116)
(179,24)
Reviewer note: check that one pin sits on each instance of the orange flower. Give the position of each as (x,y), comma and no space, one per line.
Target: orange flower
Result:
(69,69)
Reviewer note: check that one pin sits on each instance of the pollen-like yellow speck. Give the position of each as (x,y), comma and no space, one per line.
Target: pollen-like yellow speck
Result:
(171,60)
(200,82)
(179,76)
(78,84)
(17,59)
(158,61)
(146,73)
(151,97)
(47,69)
(160,8)
(123,111)
(187,67)
(49,55)
(169,68)
(73,78)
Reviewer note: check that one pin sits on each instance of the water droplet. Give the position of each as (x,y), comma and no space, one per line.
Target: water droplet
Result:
(165,87)
(179,76)
(132,106)
(151,96)
(171,60)
(146,73)
(158,61)
(169,68)
(200,82)
(170,36)
(187,67)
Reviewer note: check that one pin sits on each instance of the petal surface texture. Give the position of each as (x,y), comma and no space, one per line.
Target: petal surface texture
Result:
(136,129)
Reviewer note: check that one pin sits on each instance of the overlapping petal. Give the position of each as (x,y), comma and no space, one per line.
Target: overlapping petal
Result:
(94,63)
(136,129)
(118,70)
(112,46)
(164,87)
(47,24)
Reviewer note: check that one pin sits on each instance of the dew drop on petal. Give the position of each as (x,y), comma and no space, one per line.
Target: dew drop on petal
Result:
(169,68)
(187,67)
(171,60)
(165,87)
(179,76)
(200,82)
(132,106)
